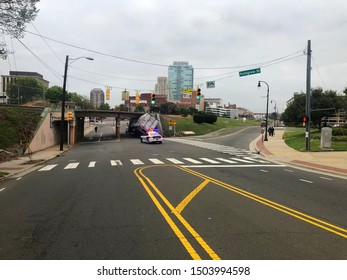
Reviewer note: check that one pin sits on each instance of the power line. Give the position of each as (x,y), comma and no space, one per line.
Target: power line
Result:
(55,73)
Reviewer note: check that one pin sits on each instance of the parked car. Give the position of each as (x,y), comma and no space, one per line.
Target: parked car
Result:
(151,137)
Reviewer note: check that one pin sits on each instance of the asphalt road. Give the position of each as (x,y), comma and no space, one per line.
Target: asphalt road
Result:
(191,198)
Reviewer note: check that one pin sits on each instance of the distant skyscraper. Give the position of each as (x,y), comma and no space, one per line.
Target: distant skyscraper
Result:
(97,97)
(181,76)
(162,86)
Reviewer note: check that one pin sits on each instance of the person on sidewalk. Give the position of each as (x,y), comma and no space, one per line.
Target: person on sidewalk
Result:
(96,129)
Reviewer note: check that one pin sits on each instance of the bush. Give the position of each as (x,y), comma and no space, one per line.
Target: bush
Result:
(198,118)
(202,117)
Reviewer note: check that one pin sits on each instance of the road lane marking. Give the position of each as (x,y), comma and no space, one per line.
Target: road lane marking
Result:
(192,160)
(299,215)
(288,170)
(242,160)
(226,160)
(175,161)
(136,161)
(179,208)
(92,164)
(255,159)
(306,181)
(232,166)
(210,160)
(191,230)
(116,162)
(2,189)
(72,165)
(174,227)
(155,161)
(48,167)
(263,170)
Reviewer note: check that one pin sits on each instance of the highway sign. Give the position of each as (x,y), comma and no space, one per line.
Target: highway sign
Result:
(211,84)
(249,72)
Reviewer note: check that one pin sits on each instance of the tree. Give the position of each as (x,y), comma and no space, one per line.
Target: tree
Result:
(54,94)
(168,108)
(22,90)
(323,104)
(14,14)
(104,106)
(295,111)
(139,108)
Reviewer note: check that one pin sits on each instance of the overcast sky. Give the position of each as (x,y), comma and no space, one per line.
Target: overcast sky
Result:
(209,34)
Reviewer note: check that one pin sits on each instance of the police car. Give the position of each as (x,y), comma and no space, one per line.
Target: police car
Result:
(151,137)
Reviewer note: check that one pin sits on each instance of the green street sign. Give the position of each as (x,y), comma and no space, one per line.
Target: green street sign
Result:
(249,72)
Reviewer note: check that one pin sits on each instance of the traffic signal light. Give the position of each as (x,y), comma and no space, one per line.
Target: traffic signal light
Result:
(198,95)
(137,98)
(304,119)
(108,93)
(69,116)
(153,99)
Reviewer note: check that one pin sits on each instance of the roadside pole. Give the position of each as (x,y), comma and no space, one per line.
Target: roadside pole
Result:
(308,96)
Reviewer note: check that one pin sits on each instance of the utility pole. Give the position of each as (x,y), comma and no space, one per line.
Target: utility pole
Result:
(308,95)
(63,106)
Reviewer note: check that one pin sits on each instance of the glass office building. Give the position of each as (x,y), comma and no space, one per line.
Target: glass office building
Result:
(181,76)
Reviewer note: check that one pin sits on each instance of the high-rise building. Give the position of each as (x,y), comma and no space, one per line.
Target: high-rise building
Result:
(181,76)
(162,86)
(97,97)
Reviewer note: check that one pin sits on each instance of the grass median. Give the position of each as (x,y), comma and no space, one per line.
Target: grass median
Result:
(295,138)
(187,124)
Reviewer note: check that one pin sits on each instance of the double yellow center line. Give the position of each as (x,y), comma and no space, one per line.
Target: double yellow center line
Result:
(151,189)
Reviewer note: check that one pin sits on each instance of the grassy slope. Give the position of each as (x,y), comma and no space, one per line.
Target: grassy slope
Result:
(15,123)
(187,124)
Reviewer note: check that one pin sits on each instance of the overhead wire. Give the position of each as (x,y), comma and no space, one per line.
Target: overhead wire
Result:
(229,74)
(54,72)
(315,65)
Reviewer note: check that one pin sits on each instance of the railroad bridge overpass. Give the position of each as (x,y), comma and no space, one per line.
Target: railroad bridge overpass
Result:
(76,125)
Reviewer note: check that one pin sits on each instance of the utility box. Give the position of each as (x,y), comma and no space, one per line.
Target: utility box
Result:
(325,138)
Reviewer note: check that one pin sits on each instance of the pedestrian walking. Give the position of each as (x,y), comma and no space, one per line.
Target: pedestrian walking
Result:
(96,129)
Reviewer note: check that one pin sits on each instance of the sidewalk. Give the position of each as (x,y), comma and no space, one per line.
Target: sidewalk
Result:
(24,164)
(276,149)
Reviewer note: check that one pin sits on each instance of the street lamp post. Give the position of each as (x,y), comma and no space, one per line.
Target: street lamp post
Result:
(63,99)
(275,122)
(267,107)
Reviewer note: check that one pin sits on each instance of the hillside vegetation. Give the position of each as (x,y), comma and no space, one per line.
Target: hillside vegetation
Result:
(17,126)
(187,124)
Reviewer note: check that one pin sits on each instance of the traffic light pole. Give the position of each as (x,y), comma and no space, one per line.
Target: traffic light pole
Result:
(308,95)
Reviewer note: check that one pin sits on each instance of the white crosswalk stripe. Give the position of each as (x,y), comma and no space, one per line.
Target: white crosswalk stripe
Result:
(242,160)
(136,162)
(72,165)
(192,160)
(226,160)
(116,162)
(218,161)
(175,161)
(210,160)
(48,167)
(155,161)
